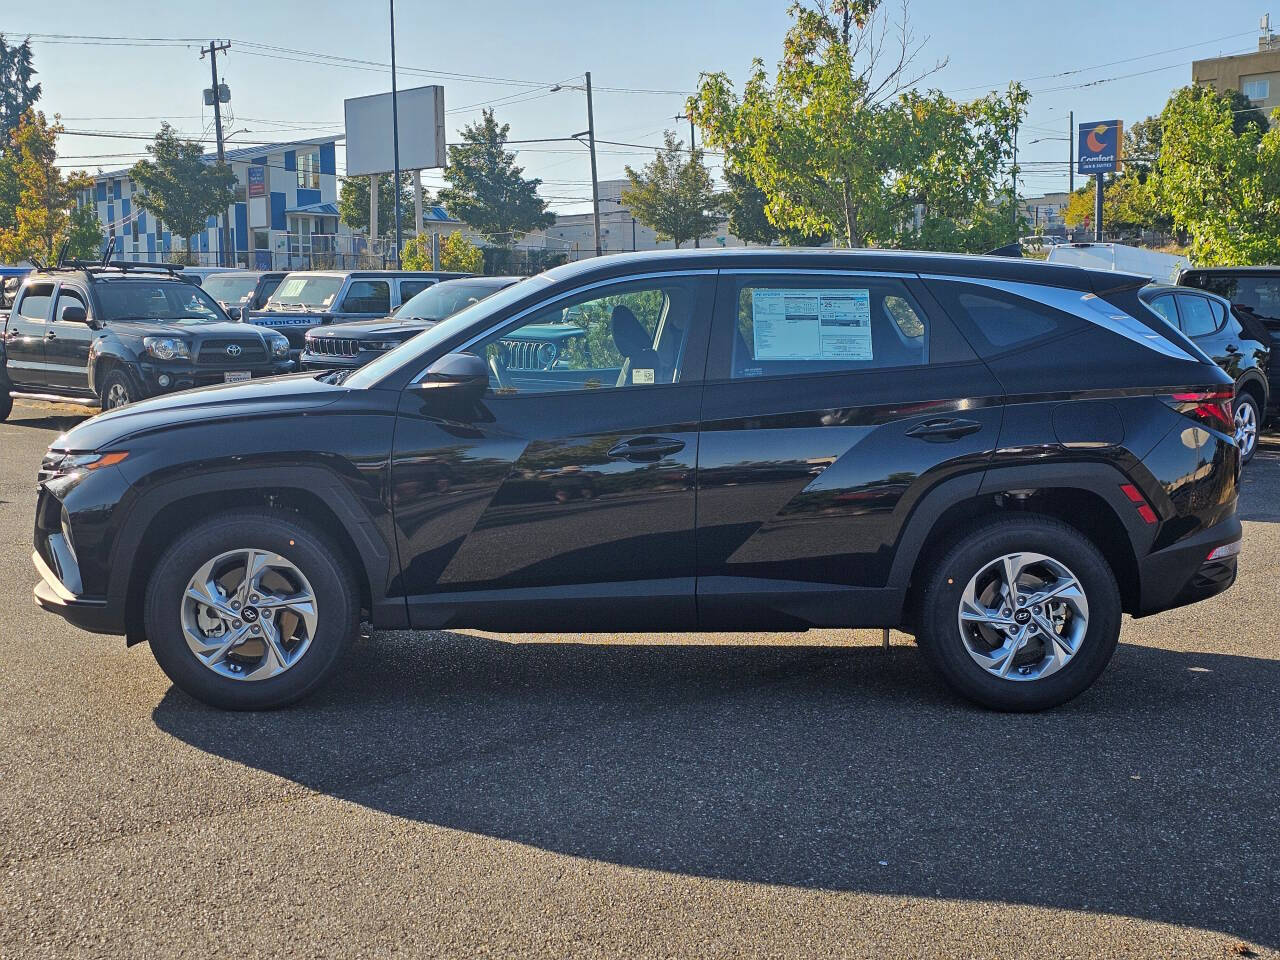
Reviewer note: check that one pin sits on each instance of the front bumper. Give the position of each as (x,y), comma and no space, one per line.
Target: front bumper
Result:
(1182,574)
(53,595)
(178,375)
(320,361)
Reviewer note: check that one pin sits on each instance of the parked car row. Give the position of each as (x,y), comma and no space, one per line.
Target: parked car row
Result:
(1000,457)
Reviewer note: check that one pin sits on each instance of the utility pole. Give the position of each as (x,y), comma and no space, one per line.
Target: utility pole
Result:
(1013,173)
(395,131)
(1071,150)
(1097,207)
(595,183)
(213,50)
(692,146)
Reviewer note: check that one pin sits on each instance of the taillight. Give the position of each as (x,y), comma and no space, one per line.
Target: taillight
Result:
(1210,408)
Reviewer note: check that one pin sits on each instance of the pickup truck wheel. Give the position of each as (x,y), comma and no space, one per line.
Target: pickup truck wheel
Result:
(117,391)
(1021,613)
(250,610)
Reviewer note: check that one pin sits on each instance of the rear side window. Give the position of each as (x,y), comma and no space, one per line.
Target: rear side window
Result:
(368,296)
(1259,295)
(35,301)
(998,322)
(411,288)
(1198,316)
(1164,306)
(791,326)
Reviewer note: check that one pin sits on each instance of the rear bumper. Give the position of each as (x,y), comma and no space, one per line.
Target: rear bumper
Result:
(1182,573)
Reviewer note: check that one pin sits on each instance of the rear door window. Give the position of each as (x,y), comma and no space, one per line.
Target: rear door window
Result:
(793,326)
(1198,316)
(368,296)
(34,304)
(411,288)
(1164,306)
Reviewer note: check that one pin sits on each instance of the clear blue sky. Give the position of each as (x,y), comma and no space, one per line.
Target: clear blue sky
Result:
(649,44)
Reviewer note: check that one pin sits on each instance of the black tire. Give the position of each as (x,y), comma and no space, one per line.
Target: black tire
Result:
(972,550)
(6,403)
(115,384)
(1243,399)
(322,563)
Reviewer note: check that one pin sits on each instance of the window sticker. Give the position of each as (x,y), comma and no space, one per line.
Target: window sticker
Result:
(642,376)
(816,324)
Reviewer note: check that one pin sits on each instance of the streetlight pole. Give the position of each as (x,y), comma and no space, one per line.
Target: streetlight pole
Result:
(595,181)
(693,145)
(213,50)
(395,133)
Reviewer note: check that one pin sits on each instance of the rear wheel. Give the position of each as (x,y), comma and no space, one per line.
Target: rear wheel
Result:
(1248,418)
(250,610)
(117,391)
(1021,613)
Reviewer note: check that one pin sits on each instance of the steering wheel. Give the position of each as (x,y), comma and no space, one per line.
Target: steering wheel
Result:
(497,358)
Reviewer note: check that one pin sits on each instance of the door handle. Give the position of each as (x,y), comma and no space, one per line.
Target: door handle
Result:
(51,335)
(1232,348)
(940,431)
(645,449)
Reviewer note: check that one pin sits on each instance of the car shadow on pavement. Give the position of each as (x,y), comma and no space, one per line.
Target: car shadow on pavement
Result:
(845,768)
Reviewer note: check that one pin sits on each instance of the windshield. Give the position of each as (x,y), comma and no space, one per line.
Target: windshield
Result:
(173,301)
(460,322)
(308,291)
(444,300)
(230,288)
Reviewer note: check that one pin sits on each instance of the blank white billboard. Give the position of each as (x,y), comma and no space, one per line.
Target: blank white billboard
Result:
(421,121)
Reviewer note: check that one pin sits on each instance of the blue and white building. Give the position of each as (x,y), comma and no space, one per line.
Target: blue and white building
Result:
(286,210)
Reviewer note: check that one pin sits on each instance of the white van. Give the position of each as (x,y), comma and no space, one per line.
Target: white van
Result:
(1160,267)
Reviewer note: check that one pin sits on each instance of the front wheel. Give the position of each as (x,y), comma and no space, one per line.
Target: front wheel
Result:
(1247,419)
(117,391)
(1021,613)
(250,610)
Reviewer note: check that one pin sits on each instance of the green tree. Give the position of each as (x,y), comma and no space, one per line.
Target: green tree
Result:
(841,145)
(460,254)
(487,190)
(353,204)
(673,194)
(45,196)
(745,203)
(1217,182)
(84,233)
(179,186)
(17,93)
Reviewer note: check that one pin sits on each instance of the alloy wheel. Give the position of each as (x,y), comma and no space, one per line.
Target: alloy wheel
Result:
(117,396)
(1246,428)
(249,614)
(1023,616)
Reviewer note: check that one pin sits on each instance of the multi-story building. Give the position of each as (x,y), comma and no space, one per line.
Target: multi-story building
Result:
(1044,213)
(286,209)
(1256,74)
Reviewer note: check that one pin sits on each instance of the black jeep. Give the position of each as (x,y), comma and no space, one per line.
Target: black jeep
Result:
(110,335)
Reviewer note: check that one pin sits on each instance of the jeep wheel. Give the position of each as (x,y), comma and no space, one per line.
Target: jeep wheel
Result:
(250,610)
(117,391)
(1021,613)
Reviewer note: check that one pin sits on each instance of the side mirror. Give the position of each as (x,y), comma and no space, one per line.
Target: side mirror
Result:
(235,313)
(466,373)
(74,314)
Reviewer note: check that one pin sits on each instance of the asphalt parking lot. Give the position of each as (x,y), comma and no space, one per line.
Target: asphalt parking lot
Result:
(676,796)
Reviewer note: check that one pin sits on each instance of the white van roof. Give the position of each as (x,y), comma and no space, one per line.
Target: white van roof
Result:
(1122,258)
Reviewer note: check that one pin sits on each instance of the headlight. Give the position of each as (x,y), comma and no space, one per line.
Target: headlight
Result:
(280,346)
(379,346)
(166,348)
(547,354)
(58,464)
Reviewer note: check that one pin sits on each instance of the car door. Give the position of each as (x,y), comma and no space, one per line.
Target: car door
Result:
(565,499)
(24,337)
(834,400)
(67,343)
(1205,321)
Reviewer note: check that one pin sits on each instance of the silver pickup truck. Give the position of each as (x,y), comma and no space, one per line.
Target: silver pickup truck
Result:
(321,297)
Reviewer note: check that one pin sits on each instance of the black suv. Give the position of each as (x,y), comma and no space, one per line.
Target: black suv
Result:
(1255,293)
(1235,340)
(998,456)
(113,335)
